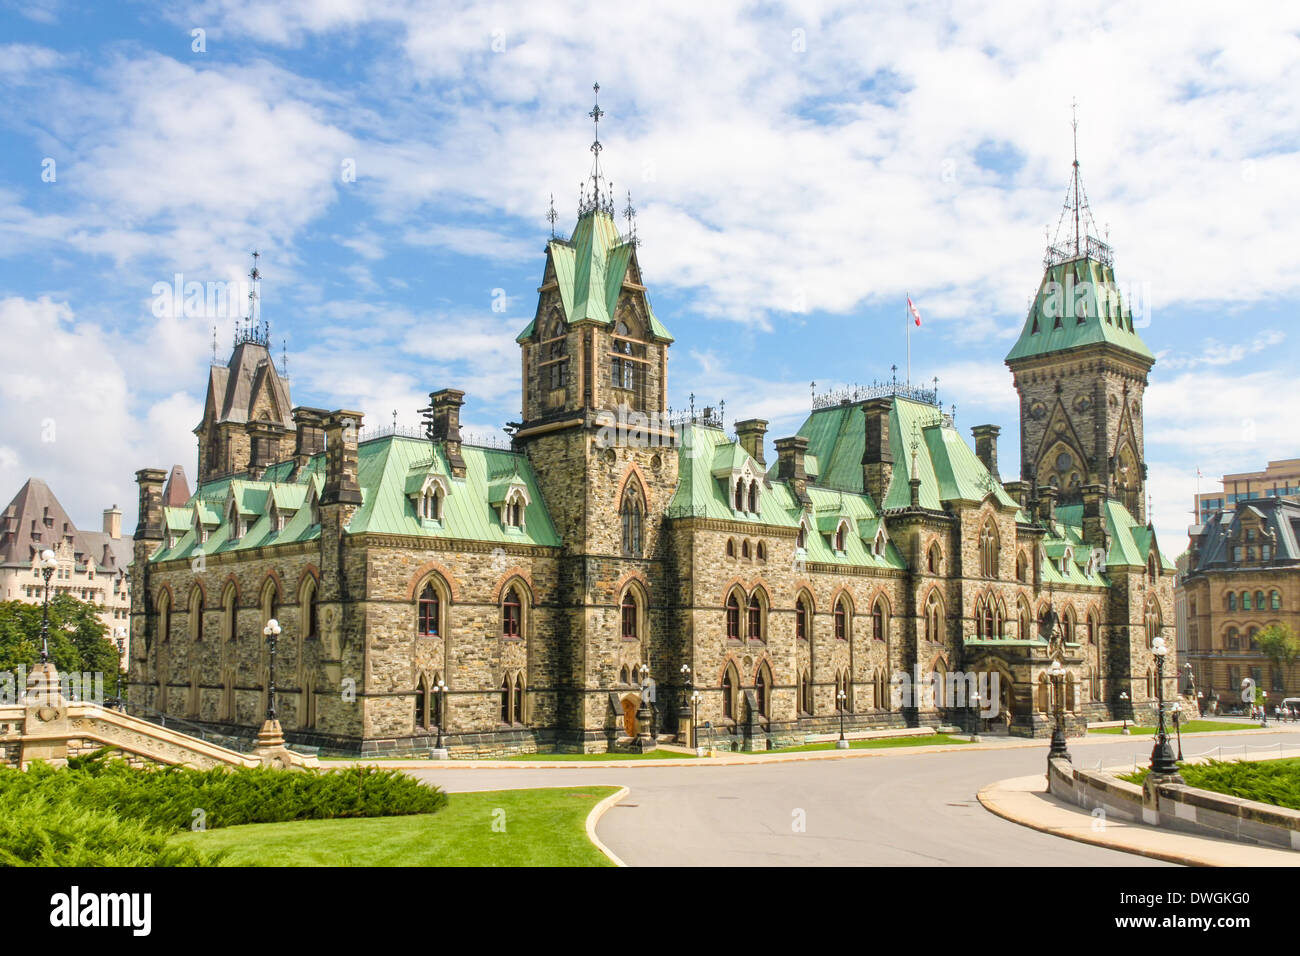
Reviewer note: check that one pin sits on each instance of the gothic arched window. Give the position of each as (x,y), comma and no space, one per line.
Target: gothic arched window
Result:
(733,617)
(989,550)
(512,614)
(632,514)
(427,616)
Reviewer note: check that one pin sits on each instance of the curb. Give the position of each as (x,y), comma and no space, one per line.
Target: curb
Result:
(593,818)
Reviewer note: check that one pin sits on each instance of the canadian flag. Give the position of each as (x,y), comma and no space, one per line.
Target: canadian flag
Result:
(915,314)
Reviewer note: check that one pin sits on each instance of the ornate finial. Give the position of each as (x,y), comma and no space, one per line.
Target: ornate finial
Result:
(936,389)
(894,372)
(692,406)
(214,343)
(629,212)
(812,388)
(251,330)
(551,216)
(722,413)
(600,199)
(394,419)
(284,358)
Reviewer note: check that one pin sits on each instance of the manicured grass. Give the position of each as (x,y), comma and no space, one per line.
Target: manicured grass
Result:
(650,755)
(881,744)
(1191,727)
(495,828)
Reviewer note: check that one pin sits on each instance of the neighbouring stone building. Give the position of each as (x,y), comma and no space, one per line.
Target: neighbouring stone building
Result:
(539,582)
(93,565)
(1243,575)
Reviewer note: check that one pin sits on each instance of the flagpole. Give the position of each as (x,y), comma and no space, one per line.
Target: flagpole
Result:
(907,323)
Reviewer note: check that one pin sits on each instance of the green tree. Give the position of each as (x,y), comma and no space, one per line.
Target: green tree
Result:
(77,638)
(1279,645)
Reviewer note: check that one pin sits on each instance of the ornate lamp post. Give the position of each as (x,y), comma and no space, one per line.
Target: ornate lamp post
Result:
(1162,757)
(684,713)
(440,708)
(121,649)
(1123,696)
(272,632)
(695,723)
(974,718)
(48,564)
(841,700)
(1058,748)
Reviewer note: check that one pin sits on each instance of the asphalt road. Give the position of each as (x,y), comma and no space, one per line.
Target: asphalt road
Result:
(892,808)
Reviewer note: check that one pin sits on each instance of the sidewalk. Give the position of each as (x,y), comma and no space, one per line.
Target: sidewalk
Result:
(729,758)
(1025,800)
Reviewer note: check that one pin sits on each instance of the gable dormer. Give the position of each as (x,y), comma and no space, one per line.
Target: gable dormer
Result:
(740,477)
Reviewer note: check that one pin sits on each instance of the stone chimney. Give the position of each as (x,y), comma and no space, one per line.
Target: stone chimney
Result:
(442,419)
(1019,491)
(149,527)
(1047,505)
(310,436)
(341,484)
(1094,518)
(877,458)
(790,454)
(751,432)
(986,447)
(113,522)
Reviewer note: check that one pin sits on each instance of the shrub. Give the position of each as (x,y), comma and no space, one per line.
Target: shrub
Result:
(101,811)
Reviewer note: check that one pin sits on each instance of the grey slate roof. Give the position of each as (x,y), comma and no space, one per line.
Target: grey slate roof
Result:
(34,520)
(231,387)
(1278,515)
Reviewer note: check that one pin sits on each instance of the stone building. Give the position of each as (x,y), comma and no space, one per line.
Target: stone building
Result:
(93,565)
(542,583)
(1243,575)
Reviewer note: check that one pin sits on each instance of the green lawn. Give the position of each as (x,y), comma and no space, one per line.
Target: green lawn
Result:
(496,828)
(880,744)
(650,755)
(1191,727)
(1267,781)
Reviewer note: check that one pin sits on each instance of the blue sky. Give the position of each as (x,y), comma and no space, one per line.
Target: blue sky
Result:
(797,168)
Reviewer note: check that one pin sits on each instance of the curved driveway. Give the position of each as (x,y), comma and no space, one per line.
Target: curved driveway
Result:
(888,808)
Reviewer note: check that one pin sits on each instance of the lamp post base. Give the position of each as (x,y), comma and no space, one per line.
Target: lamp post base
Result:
(439,753)
(841,744)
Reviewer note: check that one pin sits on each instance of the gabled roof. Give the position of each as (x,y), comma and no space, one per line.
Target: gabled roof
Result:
(589,270)
(35,520)
(1279,517)
(1130,541)
(384,469)
(1078,304)
(233,389)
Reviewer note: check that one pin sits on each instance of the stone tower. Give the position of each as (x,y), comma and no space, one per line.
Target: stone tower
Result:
(593,424)
(1080,368)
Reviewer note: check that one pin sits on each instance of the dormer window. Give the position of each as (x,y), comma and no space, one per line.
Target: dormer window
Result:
(513,508)
(878,546)
(753,497)
(431,505)
(232,518)
(740,495)
(841,535)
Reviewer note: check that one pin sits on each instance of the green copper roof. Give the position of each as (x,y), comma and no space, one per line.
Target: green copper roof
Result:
(1130,542)
(390,470)
(946,465)
(1078,304)
(589,269)
(700,493)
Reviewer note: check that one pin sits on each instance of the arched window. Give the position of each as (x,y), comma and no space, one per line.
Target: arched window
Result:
(512,614)
(733,617)
(761,551)
(1152,568)
(933,619)
(196,615)
(1259,601)
(1251,644)
(841,620)
(431,503)
(630,617)
(632,513)
(1024,620)
(429,615)
(1231,640)
(1276,601)
(729,693)
(744,550)
(934,560)
(1092,627)
(165,616)
(879,620)
(756,616)
(999,619)
(805,693)
(1232,600)
(229,623)
(1245,601)
(1067,625)
(1022,567)
(753,497)
(801,538)
(839,537)
(731,547)
(518,703)
(989,550)
(507,698)
(308,619)
(740,495)
(763,690)
(270,601)
(801,619)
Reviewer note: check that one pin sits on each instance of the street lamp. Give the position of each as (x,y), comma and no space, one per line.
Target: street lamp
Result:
(1058,748)
(1162,757)
(974,718)
(440,707)
(695,723)
(685,712)
(121,650)
(272,631)
(841,699)
(1123,696)
(48,564)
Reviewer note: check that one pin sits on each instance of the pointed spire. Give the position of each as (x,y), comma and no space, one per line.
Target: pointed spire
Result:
(258,333)
(551,216)
(1076,236)
(599,199)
